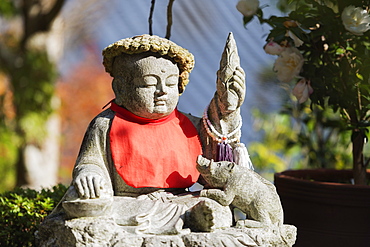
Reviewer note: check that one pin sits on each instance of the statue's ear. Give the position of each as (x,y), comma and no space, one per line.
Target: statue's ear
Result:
(230,166)
(203,161)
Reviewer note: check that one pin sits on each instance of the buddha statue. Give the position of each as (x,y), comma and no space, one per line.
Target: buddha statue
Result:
(141,156)
(138,157)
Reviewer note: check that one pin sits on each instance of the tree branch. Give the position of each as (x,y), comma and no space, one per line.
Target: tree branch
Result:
(150,19)
(39,22)
(169,18)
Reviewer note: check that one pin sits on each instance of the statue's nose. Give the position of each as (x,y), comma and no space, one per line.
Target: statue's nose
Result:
(161,88)
(160,92)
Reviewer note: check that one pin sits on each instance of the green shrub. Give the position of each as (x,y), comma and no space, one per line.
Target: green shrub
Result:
(22,210)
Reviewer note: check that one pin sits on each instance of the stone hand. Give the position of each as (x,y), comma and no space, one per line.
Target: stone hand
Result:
(231,93)
(88,185)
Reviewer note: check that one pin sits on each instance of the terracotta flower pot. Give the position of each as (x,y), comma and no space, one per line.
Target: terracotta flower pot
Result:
(325,211)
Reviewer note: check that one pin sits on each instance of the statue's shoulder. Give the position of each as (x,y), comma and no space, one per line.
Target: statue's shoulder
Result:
(102,120)
(195,120)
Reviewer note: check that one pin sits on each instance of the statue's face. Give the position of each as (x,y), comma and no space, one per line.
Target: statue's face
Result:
(152,92)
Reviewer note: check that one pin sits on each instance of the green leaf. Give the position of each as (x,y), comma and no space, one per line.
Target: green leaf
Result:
(359,76)
(247,19)
(297,31)
(340,51)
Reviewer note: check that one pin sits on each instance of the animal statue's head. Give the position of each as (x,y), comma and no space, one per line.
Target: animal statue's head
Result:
(216,174)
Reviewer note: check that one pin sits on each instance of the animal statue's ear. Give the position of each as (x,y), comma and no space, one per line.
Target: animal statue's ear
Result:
(203,161)
(230,166)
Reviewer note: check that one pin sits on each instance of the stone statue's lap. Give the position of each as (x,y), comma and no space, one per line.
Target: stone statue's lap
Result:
(155,213)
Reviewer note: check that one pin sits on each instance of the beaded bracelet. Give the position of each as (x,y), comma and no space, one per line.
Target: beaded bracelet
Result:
(217,136)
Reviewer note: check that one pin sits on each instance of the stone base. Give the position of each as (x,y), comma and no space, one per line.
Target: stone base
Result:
(102,231)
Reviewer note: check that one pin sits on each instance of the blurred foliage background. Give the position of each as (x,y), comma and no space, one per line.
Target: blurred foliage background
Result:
(297,136)
(28,78)
(36,103)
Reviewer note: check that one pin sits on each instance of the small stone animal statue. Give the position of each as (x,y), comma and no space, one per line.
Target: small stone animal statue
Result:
(244,189)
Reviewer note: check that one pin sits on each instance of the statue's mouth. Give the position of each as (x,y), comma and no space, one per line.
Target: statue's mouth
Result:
(201,168)
(159,102)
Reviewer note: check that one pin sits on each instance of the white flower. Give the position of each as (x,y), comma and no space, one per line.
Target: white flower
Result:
(302,90)
(248,7)
(356,20)
(289,64)
(273,48)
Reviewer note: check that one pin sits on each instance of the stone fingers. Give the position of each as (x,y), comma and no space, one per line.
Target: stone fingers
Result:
(203,193)
(80,188)
(86,192)
(91,187)
(239,71)
(97,181)
(238,84)
(239,77)
(88,186)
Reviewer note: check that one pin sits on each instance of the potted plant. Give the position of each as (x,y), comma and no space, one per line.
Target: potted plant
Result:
(323,47)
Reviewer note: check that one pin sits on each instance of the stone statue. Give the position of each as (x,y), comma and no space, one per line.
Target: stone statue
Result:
(244,189)
(138,157)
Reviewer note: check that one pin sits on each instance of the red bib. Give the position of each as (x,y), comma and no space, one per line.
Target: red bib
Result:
(158,153)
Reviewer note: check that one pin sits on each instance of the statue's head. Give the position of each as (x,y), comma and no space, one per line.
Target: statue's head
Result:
(149,74)
(216,174)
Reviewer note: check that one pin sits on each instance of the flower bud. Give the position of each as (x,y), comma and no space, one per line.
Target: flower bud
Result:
(273,48)
(248,7)
(302,90)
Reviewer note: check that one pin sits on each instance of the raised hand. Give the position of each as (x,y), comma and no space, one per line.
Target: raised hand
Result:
(232,92)
(230,78)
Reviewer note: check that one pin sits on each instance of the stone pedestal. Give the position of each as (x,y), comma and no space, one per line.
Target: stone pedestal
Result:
(103,231)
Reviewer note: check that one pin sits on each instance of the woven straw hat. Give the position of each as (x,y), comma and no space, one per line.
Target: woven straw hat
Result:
(151,43)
